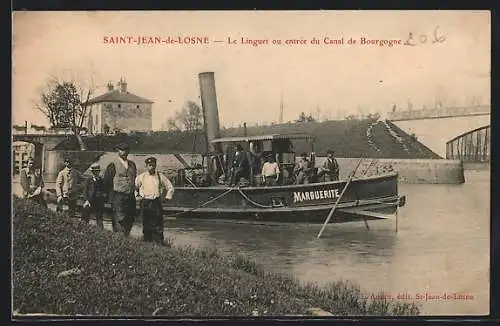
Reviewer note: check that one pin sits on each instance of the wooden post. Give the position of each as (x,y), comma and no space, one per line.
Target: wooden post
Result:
(397,209)
(338,199)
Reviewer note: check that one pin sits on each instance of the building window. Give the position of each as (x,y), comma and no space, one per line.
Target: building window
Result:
(119,105)
(137,106)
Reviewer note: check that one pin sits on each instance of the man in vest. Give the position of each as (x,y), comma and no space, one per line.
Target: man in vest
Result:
(67,186)
(119,179)
(151,188)
(330,168)
(93,196)
(32,183)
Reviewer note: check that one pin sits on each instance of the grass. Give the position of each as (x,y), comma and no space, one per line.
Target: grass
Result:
(346,137)
(116,276)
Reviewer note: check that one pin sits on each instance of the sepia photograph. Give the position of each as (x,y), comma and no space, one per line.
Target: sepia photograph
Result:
(264,164)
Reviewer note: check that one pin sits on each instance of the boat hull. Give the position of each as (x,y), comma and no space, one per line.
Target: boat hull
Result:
(369,198)
(365,199)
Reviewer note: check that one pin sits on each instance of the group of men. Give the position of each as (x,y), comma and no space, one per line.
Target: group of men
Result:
(303,171)
(119,185)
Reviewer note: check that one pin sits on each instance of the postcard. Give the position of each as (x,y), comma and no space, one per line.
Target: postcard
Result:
(251,163)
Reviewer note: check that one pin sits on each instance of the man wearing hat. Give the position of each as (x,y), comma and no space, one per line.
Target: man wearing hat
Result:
(152,187)
(270,171)
(67,182)
(303,170)
(119,179)
(330,168)
(93,196)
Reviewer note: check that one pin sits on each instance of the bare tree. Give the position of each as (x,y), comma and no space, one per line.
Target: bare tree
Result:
(64,102)
(188,118)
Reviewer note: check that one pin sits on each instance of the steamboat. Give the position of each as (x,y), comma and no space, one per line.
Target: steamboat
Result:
(359,197)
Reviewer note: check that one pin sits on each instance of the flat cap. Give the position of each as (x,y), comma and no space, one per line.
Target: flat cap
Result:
(150,160)
(123,146)
(95,166)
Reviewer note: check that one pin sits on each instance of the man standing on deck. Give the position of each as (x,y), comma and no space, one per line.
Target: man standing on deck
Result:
(67,186)
(119,179)
(32,183)
(303,170)
(330,168)
(151,188)
(270,172)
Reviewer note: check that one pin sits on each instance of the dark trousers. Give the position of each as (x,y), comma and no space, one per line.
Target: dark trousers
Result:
(70,201)
(152,220)
(331,177)
(96,208)
(123,212)
(270,181)
(40,200)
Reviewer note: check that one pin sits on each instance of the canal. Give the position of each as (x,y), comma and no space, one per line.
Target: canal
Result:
(441,247)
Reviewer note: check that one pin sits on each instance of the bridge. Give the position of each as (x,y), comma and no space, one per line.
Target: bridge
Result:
(42,141)
(453,133)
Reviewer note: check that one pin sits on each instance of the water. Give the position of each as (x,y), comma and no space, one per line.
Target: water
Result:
(442,245)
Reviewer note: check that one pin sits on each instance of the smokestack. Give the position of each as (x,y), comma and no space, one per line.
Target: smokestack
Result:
(210,110)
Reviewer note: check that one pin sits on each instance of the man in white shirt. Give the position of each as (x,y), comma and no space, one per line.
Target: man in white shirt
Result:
(270,172)
(67,186)
(151,188)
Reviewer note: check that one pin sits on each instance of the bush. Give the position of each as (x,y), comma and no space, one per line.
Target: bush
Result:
(64,266)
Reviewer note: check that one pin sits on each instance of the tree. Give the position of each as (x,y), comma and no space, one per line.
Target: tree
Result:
(305,118)
(64,104)
(188,118)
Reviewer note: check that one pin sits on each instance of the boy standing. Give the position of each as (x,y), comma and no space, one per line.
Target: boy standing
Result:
(93,196)
(67,183)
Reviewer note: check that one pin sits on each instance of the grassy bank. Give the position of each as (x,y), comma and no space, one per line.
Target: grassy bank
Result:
(62,266)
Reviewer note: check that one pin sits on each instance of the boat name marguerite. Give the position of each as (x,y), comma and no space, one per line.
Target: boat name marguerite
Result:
(300,196)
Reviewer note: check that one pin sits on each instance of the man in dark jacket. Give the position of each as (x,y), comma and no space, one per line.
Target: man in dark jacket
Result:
(93,196)
(119,178)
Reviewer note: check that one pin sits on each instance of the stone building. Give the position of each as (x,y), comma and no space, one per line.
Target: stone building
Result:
(119,110)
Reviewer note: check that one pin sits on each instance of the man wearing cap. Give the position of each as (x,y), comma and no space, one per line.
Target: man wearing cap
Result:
(67,182)
(330,168)
(303,170)
(93,196)
(151,188)
(119,179)
(32,183)
(270,171)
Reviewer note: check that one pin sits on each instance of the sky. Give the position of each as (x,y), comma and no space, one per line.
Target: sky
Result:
(335,79)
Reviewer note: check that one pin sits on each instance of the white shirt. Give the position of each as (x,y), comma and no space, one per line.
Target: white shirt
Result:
(270,169)
(148,186)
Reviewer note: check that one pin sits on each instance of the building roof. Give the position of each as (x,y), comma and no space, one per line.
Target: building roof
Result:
(263,137)
(119,96)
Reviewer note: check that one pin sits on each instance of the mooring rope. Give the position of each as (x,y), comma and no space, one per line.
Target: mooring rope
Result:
(204,204)
(253,202)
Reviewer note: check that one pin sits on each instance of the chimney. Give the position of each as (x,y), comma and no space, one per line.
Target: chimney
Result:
(122,85)
(110,87)
(210,110)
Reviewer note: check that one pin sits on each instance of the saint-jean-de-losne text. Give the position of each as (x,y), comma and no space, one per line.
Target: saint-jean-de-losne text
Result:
(155,40)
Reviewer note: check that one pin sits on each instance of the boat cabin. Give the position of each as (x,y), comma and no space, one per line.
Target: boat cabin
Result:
(217,168)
